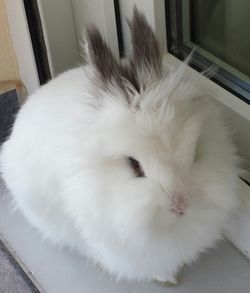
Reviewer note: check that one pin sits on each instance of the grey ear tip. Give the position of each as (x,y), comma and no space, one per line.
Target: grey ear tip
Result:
(92,31)
(129,22)
(136,11)
(138,15)
(90,28)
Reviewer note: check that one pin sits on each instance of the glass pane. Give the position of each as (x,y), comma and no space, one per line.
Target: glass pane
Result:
(219,30)
(222,28)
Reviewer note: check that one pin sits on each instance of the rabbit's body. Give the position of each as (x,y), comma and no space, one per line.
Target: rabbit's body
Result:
(66,164)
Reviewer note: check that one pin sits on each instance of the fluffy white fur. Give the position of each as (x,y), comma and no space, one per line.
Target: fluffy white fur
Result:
(66,165)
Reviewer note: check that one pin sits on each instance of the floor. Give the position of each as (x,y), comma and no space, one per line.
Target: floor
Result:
(221,270)
(12,277)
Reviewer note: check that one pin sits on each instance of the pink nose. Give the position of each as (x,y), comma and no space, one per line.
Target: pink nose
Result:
(179,204)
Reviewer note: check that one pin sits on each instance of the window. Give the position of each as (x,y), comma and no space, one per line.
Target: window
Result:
(218,32)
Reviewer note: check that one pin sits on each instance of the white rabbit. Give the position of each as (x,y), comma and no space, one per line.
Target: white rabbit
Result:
(133,168)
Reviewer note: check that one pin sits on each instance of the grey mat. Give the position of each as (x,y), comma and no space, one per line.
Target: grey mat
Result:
(12,277)
(8,108)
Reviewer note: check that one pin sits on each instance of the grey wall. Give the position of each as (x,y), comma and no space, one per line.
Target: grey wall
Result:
(61,35)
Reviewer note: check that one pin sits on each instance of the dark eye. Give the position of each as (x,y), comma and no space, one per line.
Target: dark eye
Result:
(136,166)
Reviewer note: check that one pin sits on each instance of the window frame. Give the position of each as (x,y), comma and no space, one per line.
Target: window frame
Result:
(38,41)
(177,47)
(21,39)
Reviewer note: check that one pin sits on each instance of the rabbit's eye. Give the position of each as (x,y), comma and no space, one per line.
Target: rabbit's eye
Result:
(136,166)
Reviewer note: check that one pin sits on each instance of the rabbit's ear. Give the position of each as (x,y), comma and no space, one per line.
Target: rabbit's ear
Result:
(98,54)
(110,72)
(146,57)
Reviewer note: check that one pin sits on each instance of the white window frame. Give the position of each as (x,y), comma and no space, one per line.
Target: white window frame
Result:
(22,44)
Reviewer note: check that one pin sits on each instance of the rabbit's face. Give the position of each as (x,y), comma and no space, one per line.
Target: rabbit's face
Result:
(150,174)
(143,166)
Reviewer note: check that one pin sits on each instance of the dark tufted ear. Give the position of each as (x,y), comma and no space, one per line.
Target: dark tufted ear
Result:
(98,54)
(109,71)
(143,68)
(146,57)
